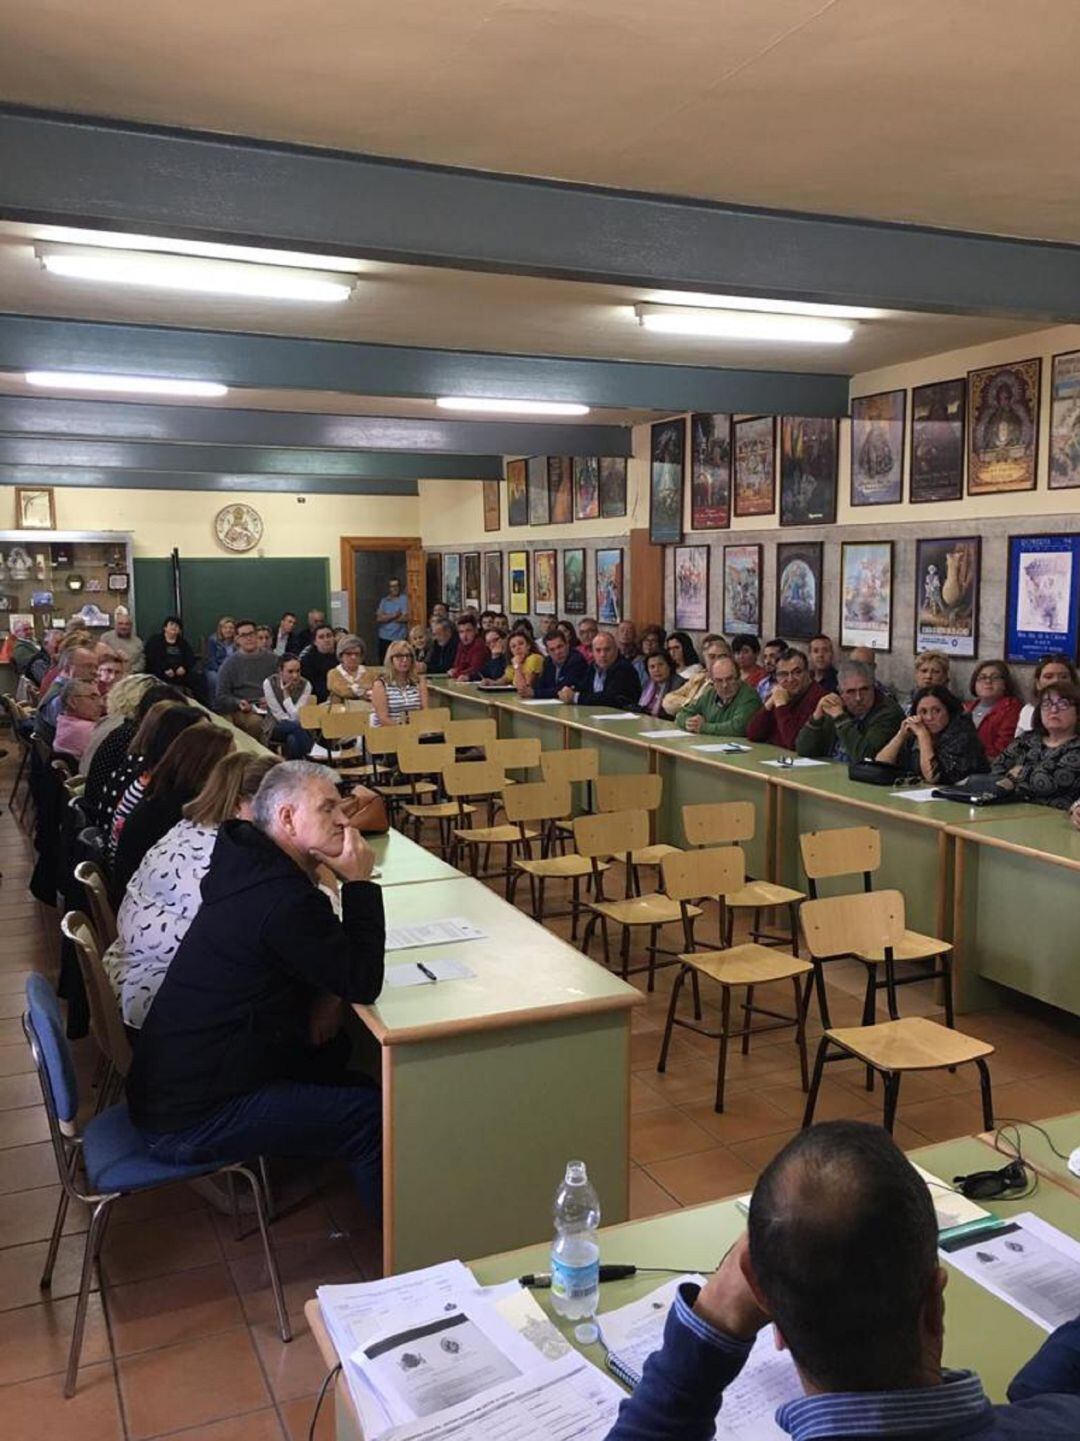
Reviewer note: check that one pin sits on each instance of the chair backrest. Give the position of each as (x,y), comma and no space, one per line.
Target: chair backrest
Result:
(43,1026)
(718,823)
(105,1020)
(570,766)
(473,778)
(429,722)
(313,715)
(611,833)
(632,792)
(536,801)
(847,851)
(415,758)
(861,921)
(516,755)
(471,733)
(92,843)
(92,880)
(343,723)
(713,871)
(383,740)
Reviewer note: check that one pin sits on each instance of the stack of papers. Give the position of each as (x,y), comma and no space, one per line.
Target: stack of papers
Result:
(788,762)
(728,748)
(1026,1262)
(432,933)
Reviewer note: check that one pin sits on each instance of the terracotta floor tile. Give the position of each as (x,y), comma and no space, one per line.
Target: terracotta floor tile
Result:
(190,1304)
(656,1135)
(34,1340)
(308,1221)
(647,1198)
(21,1267)
(1030,1100)
(191,1384)
(303,1265)
(834,1102)
(294,1368)
(262,1425)
(944,1118)
(745,1116)
(15,1059)
(24,1166)
(135,1250)
(297,1418)
(28,1216)
(706,1176)
(683,1082)
(92,1414)
(24,1126)
(643,1097)
(759,1152)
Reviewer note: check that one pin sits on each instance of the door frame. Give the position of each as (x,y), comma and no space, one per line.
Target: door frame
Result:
(415,579)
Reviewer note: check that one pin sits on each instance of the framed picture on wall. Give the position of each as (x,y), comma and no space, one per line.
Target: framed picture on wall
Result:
(545,582)
(1041,605)
(1065,421)
(609,586)
(561,489)
(433,578)
(691,564)
(667,456)
(742,588)
(937,441)
(878,423)
(452,581)
(798,589)
(753,465)
(573,581)
(808,467)
(470,569)
(519,582)
(35,507)
(612,486)
(586,487)
(536,480)
(866,593)
(710,472)
(517,496)
(947,595)
(493,579)
(491,505)
(1003,427)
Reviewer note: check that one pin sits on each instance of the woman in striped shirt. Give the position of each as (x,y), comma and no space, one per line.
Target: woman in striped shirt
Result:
(400,688)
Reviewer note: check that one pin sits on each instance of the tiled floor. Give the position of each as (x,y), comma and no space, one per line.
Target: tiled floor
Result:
(183,1342)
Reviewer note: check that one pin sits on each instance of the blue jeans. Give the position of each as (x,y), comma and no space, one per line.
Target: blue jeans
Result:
(296,740)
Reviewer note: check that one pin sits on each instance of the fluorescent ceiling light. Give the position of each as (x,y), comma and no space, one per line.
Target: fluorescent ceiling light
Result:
(743,325)
(132,384)
(192,273)
(754,304)
(207,249)
(510,407)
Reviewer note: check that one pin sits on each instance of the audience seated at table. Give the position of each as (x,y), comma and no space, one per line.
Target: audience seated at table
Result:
(524,664)
(853,724)
(420,640)
(240,680)
(822,662)
(995,709)
(937,741)
(867,656)
(77,661)
(1049,670)
(626,639)
(1043,764)
(587,629)
(494,668)
(683,654)
(242,1053)
(471,651)
(399,688)
(81,707)
(931,669)
(661,679)
(62,642)
(350,679)
(318,660)
(564,668)
(121,704)
(133,698)
(712,648)
(284,695)
(444,646)
(609,680)
(841,1256)
(746,651)
(725,706)
(127,784)
(791,702)
(653,640)
(771,652)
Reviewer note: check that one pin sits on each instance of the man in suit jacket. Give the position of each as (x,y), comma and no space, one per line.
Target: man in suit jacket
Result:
(564,669)
(610,680)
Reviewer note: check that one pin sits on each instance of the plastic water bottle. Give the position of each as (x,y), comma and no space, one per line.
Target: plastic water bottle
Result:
(575,1252)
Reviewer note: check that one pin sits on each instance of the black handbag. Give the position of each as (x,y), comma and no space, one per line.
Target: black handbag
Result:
(875,773)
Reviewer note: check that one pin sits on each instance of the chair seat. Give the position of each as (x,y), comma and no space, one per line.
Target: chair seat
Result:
(348,770)
(439,811)
(746,965)
(561,867)
(655,910)
(764,893)
(913,947)
(911,1044)
(652,855)
(495,835)
(421,788)
(116,1157)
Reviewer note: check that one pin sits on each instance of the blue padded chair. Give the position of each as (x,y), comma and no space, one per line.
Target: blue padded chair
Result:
(115,1161)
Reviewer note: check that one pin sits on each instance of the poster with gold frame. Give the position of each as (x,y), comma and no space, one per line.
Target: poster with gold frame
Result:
(35,507)
(517,498)
(518,561)
(1064,469)
(1003,427)
(545,582)
(491,505)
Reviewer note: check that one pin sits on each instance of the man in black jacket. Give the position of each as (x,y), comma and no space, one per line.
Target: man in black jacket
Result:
(610,680)
(444,647)
(563,668)
(319,660)
(228,1064)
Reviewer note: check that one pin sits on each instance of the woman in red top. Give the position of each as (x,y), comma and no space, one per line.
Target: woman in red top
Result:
(996,707)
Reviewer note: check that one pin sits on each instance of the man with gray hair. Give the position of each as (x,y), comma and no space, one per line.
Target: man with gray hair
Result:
(123,640)
(854,724)
(241,1053)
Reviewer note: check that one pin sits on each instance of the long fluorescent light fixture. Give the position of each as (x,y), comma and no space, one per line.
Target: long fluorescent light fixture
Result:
(193,273)
(489,406)
(743,325)
(125,384)
(760,304)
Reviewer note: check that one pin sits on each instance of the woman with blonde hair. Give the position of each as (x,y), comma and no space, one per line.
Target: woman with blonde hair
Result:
(400,688)
(219,647)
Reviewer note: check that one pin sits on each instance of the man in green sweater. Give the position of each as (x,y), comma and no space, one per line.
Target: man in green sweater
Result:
(723,708)
(854,724)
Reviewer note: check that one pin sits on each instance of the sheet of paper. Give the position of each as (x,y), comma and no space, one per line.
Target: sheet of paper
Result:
(553,700)
(728,748)
(1028,1263)
(432,933)
(438,968)
(632,1333)
(919,794)
(667,735)
(766,1381)
(623,715)
(794,761)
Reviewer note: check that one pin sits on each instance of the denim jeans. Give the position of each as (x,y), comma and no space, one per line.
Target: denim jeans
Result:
(297,741)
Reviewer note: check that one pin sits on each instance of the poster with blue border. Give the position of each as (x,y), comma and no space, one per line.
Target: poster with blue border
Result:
(1044,583)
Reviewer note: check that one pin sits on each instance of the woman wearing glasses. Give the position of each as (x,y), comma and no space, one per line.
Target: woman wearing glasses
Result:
(1049,670)
(995,709)
(1043,766)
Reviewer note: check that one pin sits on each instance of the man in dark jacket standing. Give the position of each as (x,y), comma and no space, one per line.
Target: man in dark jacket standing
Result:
(228,1064)
(610,680)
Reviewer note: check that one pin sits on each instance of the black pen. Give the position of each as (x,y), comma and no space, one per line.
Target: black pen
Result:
(430,974)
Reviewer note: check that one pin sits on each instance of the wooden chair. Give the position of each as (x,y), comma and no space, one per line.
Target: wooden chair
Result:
(484,780)
(341,726)
(106,1023)
(853,851)
(430,722)
(92,878)
(716,873)
(730,823)
(471,735)
(635,792)
(621,834)
(576,767)
(516,755)
(17,718)
(413,762)
(418,761)
(894,1048)
(549,804)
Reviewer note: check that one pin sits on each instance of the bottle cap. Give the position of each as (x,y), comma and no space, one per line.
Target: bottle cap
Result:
(576,1175)
(587,1333)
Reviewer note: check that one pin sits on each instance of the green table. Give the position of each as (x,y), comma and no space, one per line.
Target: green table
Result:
(1063,1131)
(402,862)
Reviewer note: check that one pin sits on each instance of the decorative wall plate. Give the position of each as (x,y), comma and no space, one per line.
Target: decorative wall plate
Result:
(238,527)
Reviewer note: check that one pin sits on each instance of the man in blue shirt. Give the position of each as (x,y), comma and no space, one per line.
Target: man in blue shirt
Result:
(563,667)
(392,617)
(841,1256)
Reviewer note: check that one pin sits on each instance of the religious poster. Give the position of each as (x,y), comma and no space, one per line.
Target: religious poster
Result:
(518,561)
(470,570)
(536,480)
(1065,421)
(561,489)
(754,465)
(1041,612)
(586,487)
(866,594)
(612,486)
(937,441)
(808,466)
(666,458)
(493,579)
(573,581)
(947,595)
(545,583)
(609,587)
(710,472)
(491,505)
(877,448)
(692,587)
(742,589)
(452,581)
(798,589)
(1003,427)
(517,500)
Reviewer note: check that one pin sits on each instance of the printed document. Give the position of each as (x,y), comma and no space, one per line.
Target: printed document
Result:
(1028,1263)
(673,734)
(432,933)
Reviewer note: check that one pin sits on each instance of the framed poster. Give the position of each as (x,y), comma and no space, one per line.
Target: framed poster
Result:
(1065,421)
(866,593)
(710,472)
(560,489)
(947,595)
(878,423)
(536,482)
(433,578)
(742,588)
(573,581)
(1003,427)
(753,465)
(470,565)
(491,505)
(517,500)
(798,589)
(493,579)
(612,486)
(519,582)
(609,586)
(545,582)
(692,587)
(667,453)
(809,450)
(937,441)
(1041,609)
(35,507)
(452,581)
(586,487)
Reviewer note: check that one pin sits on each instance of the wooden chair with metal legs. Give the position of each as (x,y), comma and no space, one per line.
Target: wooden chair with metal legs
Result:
(429,722)
(344,730)
(381,744)
(636,792)
(856,851)
(419,762)
(730,823)
(471,734)
(716,873)
(483,781)
(575,767)
(618,835)
(106,1022)
(92,879)
(540,802)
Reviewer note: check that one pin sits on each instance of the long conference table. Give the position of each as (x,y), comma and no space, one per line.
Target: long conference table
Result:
(996,881)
